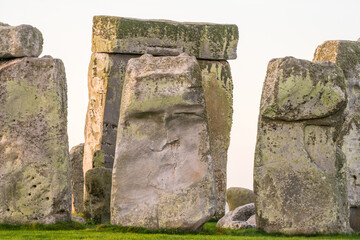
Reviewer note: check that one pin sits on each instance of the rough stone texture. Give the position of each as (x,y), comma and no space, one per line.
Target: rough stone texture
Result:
(292,97)
(97,194)
(163,138)
(99,159)
(237,219)
(34,153)
(77,178)
(238,196)
(78,219)
(346,54)
(355,218)
(218,86)
(299,172)
(252,220)
(163,37)
(20,41)
(105,81)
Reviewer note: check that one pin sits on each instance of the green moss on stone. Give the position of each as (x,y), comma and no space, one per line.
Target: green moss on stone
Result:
(161,37)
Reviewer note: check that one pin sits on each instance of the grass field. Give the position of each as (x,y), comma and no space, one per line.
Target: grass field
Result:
(108,232)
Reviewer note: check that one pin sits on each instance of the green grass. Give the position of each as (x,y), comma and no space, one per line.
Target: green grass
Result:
(109,232)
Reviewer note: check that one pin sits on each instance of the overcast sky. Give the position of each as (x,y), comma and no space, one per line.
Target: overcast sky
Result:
(267,28)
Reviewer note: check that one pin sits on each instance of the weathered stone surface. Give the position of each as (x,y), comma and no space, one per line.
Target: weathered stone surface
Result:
(238,196)
(355,218)
(163,138)
(78,219)
(105,81)
(346,54)
(288,96)
(77,178)
(237,219)
(252,220)
(34,153)
(299,171)
(218,87)
(162,37)
(99,159)
(97,194)
(20,41)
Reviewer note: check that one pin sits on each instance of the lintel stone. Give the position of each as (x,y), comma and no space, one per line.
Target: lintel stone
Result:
(163,37)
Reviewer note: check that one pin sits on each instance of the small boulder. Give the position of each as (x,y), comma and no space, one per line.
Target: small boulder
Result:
(20,41)
(238,196)
(78,219)
(97,194)
(239,225)
(238,218)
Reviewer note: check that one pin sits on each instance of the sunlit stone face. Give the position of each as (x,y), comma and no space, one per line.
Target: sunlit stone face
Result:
(163,172)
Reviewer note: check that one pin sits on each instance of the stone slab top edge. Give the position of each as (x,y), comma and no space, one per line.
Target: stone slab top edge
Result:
(164,37)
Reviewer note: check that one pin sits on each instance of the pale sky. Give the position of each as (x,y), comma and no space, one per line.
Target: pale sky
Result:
(267,29)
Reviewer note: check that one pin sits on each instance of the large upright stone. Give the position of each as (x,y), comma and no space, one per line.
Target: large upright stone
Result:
(218,87)
(163,37)
(105,82)
(77,178)
(163,173)
(299,171)
(20,41)
(34,153)
(346,54)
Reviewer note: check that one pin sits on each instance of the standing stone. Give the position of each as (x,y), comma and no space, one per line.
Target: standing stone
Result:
(77,178)
(97,194)
(106,77)
(163,173)
(34,155)
(163,37)
(218,87)
(299,171)
(20,41)
(346,54)
(237,196)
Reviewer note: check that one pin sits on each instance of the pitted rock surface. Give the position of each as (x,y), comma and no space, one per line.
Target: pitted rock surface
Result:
(34,152)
